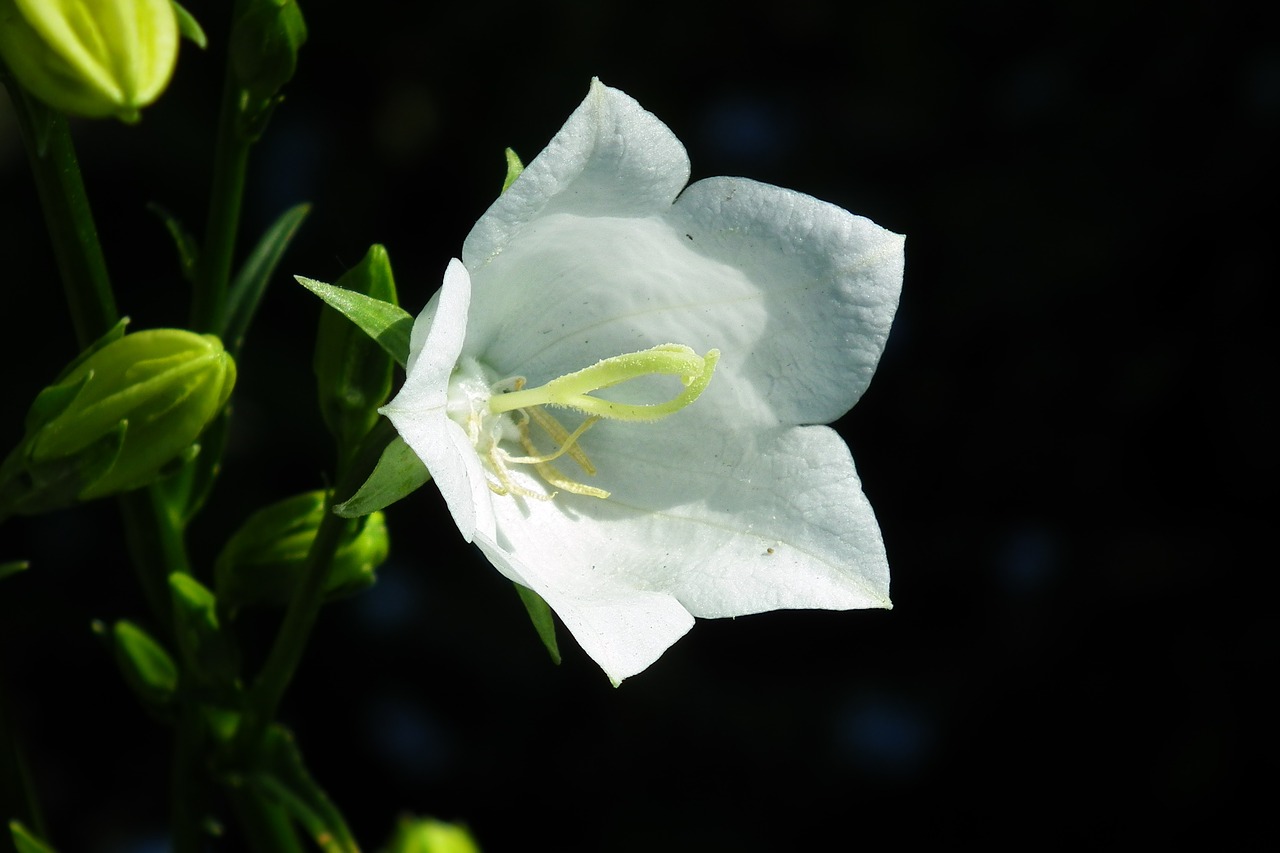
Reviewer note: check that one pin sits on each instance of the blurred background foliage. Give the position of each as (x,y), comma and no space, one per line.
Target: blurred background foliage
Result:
(1065,443)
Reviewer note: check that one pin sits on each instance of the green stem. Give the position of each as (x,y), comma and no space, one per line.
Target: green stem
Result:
(295,631)
(187,784)
(17,793)
(157,543)
(230,167)
(267,827)
(65,203)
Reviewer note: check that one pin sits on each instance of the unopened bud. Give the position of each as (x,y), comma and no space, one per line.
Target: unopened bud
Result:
(264,561)
(94,59)
(117,419)
(428,835)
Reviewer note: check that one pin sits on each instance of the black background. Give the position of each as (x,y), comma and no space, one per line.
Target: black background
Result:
(1066,442)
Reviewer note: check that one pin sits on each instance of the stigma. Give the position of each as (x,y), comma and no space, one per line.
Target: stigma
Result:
(500,414)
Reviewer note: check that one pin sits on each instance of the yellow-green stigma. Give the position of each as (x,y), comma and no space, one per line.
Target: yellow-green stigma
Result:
(494,412)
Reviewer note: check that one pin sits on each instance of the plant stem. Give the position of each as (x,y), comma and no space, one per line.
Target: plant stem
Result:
(67,216)
(230,166)
(266,826)
(295,631)
(157,544)
(17,793)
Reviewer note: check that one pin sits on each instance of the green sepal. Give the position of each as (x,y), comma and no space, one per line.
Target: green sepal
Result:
(543,621)
(428,835)
(353,373)
(251,281)
(399,473)
(514,168)
(13,567)
(205,649)
(112,335)
(183,240)
(266,559)
(53,400)
(29,487)
(283,777)
(189,27)
(147,668)
(387,323)
(25,841)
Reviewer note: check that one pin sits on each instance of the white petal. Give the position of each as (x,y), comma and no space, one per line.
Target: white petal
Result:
(418,411)
(710,525)
(612,158)
(623,629)
(830,281)
(797,294)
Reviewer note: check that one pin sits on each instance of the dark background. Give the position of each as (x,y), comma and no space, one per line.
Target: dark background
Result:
(1066,442)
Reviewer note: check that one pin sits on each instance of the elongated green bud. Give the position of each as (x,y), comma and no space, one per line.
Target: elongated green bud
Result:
(116,419)
(146,666)
(95,59)
(428,835)
(265,39)
(353,372)
(206,649)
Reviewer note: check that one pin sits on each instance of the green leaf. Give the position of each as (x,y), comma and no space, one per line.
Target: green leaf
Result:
(189,27)
(399,473)
(25,841)
(285,778)
(251,281)
(183,240)
(13,567)
(387,323)
(514,168)
(543,622)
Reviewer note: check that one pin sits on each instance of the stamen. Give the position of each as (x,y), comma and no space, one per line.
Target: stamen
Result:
(566,440)
(552,474)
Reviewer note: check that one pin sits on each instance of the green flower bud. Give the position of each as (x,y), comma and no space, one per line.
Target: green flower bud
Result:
(206,650)
(264,561)
(116,418)
(265,40)
(353,372)
(146,666)
(428,835)
(95,59)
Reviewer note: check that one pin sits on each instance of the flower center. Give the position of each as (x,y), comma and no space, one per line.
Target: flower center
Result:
(504,410)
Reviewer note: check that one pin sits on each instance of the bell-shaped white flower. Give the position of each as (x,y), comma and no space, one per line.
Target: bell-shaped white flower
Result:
(727,496)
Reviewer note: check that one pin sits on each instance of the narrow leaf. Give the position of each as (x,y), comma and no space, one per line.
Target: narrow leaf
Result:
(183,240)
(286,779)
(399,472)
(189,27)
(514,168)
(25,841)
(251,281)
(113,334)
(388,324)
(13,567)
(543,622)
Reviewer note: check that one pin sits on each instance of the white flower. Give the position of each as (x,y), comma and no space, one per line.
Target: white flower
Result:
(734,504)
